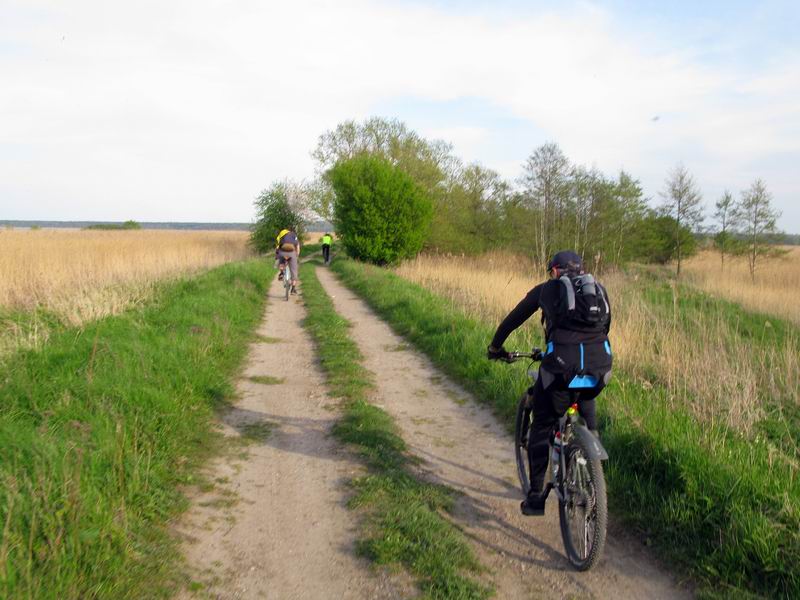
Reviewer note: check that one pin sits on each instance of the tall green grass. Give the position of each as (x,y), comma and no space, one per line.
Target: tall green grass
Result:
(403,524)
(717,505)
(101,427)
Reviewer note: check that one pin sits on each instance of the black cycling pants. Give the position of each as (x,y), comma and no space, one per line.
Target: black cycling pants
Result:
(549,405)
(326,252)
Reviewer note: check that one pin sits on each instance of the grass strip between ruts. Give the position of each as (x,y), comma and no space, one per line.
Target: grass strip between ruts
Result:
(101,427)
(711,501)
(403,524)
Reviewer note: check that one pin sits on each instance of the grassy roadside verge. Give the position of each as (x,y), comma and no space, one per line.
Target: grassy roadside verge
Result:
(714,503)
(100,427)
(403,524)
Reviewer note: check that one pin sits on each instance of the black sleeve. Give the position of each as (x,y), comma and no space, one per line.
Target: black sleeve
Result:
(520,314)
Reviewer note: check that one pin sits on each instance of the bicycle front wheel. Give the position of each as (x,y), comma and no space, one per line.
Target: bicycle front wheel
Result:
(583,512)
(521,430)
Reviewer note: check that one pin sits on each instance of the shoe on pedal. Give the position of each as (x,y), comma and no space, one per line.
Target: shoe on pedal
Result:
(533,505)
(294,290)
(280,276)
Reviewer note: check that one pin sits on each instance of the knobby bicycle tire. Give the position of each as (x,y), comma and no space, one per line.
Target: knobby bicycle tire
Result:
(593,471)
(287,280)
(521,434)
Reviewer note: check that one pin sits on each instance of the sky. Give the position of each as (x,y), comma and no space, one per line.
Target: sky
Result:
(185,110)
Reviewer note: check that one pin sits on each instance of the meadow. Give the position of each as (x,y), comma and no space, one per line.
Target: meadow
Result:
(662,332)
(772,291)
(72,277)
(103,427)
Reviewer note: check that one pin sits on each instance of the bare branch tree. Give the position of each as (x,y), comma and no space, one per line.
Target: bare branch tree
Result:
(725,215)
(682,202)
(545,179)
(759,221)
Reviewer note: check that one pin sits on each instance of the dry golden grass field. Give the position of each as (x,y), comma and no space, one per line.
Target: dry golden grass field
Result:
(81,275)
(774,290)
(649,339)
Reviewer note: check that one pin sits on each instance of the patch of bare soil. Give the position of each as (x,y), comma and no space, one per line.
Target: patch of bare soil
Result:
(463,446)
(275,524)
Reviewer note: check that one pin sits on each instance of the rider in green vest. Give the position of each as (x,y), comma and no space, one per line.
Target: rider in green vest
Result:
(326,240)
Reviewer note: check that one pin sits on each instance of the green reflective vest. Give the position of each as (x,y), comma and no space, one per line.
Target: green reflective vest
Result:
(326,239)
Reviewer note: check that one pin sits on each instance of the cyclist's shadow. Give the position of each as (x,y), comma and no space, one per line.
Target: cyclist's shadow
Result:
(470,508)
(299,435)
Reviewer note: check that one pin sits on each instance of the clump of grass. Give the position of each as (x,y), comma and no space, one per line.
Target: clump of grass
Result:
(266,339)
(266,379)
(101,428)
(404,525)
(724,507)
(258,431)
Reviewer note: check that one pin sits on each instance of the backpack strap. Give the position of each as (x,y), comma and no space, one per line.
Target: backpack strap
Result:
(570,291)
(602,294)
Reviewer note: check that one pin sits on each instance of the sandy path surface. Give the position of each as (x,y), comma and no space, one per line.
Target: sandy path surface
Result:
(275,525)
(463,446)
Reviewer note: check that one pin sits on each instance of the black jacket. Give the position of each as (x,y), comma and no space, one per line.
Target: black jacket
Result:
(570,350)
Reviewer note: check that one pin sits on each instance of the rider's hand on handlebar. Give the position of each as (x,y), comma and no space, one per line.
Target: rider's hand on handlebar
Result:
(500,353)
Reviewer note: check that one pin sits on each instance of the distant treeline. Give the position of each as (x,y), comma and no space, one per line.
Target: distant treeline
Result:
(553,204)
(120,225)
(313,226)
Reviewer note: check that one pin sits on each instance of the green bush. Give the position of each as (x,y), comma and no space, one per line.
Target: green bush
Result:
(381,214)
(274,213)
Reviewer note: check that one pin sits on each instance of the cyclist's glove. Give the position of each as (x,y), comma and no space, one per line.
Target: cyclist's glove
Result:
(496,353)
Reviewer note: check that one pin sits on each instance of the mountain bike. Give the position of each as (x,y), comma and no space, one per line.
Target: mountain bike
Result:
(575,473)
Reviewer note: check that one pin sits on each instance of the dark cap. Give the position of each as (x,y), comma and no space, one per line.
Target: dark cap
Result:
(565,259)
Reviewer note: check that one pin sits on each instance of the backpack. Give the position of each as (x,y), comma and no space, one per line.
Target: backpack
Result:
(584,304)
(288,241)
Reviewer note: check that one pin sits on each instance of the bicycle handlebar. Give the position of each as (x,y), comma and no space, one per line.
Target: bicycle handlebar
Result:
(536,355)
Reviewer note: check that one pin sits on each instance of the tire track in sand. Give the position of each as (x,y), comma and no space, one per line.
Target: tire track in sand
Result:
(462,445)
(276,525)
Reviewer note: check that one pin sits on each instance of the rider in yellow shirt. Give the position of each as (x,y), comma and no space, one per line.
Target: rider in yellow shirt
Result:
(287,249)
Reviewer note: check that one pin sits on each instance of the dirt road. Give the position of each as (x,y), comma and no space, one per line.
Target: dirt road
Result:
(464,446)
(275,524)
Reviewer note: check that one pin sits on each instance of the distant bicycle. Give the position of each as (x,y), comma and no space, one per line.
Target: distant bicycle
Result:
(575,473)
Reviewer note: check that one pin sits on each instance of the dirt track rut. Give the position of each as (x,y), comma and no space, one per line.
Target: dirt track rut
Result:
(275,525)
(463,446)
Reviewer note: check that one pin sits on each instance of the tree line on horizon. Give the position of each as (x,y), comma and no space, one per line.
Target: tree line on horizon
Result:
(369,173)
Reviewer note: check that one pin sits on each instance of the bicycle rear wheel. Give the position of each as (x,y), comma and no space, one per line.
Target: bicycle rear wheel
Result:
(287,280)
(523,425)
(583,512)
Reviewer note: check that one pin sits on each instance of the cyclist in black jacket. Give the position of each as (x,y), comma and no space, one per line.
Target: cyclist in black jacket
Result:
(576,363)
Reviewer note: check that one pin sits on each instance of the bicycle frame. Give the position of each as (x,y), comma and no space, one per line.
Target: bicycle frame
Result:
(572,424)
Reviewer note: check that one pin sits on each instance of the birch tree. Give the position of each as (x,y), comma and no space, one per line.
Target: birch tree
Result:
(758,220)
(682,202)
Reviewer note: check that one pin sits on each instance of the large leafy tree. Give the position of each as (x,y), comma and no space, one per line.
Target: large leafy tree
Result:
(381,214)
(429,163)
(277,207)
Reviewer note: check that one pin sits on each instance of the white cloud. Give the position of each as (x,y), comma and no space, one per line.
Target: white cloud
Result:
(184,110)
